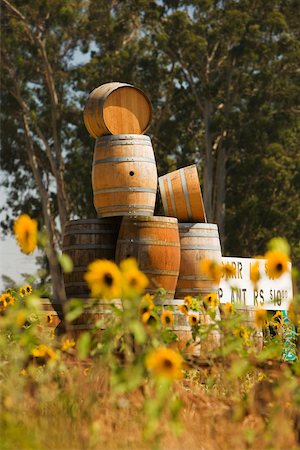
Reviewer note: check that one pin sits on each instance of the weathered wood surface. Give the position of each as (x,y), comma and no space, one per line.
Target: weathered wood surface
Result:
(84,241)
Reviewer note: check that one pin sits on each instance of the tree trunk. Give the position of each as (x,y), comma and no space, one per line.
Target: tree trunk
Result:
(59,296)
(220,192)
(208,162)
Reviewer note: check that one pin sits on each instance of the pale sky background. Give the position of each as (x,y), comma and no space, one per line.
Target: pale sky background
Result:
(12,261)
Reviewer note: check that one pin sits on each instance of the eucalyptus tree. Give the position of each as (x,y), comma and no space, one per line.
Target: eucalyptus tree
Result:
(39,40)
(217,60)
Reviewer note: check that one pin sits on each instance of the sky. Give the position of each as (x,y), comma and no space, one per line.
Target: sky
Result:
(13,262)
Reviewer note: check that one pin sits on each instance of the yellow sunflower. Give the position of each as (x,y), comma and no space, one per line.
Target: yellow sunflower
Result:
(135,280)
(25,230)
(167,318)
(184,309)
(255,273)
(67,343)
(278,317)
(43,353)
(165,362)
(21,318)
(104,279)
(211,300)
(260,317)
(6,299)
(211,269)
(147,304)
(49,319)
(228,270)
(148,298)
(148,318)
(276,264)
(188,300)
(243,333)
(193,319)
(25,290)
(228,309)
(3,303)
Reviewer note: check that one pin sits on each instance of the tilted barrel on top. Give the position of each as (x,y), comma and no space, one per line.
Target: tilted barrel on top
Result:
(84,241)
(198,241)
(154,242)
(181,195)
(124,176)
(117,108)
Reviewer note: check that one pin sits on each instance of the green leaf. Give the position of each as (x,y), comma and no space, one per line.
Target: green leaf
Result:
(74,314)
(83,345)
(138,331)
(279,244)
(66,263)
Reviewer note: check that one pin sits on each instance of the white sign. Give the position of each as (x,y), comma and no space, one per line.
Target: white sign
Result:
(272,294)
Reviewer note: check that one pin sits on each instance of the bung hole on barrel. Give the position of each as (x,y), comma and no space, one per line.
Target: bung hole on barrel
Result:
(131,173)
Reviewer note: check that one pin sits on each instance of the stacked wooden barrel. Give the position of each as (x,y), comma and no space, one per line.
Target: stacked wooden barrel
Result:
(124,180)
(182,198)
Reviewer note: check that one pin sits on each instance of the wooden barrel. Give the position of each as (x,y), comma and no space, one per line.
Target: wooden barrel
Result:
(124,176)
(197,241)
(97,316)
(183,329)
(181,195)
(117,108)
(84,241)
(154,242)
(49,314)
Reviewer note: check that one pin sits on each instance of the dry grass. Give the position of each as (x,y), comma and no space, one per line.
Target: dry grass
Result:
(81,415)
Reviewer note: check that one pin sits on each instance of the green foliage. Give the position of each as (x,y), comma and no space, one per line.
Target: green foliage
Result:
(223,81)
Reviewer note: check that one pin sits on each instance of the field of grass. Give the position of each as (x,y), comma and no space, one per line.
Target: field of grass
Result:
(129,380)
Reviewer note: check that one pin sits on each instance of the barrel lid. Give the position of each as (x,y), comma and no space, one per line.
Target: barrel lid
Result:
(134,103)
(117,107)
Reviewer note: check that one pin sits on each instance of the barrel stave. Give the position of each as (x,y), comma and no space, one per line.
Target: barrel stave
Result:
(124,176)
(84,241)
(154,242)
(198,241)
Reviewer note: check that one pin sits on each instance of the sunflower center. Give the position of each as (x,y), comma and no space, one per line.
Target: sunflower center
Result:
(108,279)
(279,267)
(133,282)
(151,320)
(167,364)
(167,319)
